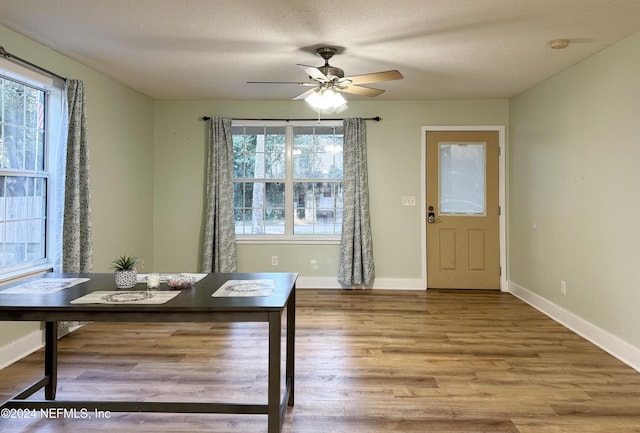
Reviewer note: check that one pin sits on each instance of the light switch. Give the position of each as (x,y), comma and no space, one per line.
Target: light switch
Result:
(408,200)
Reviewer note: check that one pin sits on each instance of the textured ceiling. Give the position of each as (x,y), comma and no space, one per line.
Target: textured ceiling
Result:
(205,49)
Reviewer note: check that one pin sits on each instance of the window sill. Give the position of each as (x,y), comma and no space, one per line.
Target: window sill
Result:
(24,273)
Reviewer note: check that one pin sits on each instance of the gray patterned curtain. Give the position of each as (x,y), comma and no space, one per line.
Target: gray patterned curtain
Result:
(77,242)
(219,243)
(356,247)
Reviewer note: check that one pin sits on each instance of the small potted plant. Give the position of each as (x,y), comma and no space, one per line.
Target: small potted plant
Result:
(126,273)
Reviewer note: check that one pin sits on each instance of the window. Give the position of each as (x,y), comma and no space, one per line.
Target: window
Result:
(288,180)
(25,178)
(462,178)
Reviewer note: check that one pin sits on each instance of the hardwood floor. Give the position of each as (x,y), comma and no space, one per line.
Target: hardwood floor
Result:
(366,362)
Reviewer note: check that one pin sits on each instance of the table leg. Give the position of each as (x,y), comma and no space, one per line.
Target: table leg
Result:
(51,359)
(273,412)
(291,341)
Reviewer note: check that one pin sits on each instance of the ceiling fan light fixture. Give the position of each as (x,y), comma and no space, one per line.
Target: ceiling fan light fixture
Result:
(326,100)
(329,81)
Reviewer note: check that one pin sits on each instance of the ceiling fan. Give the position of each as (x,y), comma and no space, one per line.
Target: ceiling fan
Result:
(329,78)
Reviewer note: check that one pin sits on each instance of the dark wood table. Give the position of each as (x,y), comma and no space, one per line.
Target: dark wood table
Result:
(194,304)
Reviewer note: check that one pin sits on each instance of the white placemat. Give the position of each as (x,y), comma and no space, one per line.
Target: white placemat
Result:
(235,288)
(142,278)
(43,286)
(126,297)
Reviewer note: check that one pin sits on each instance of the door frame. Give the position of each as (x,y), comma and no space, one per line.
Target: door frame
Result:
(501,194)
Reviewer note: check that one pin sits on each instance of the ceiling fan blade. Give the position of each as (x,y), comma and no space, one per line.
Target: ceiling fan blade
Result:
(360,90)
(304,83)
(303,95)
(314,73)
(374,77)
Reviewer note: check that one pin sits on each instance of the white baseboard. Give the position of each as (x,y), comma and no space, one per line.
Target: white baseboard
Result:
(399,284)
(608,342)
(317,283)
(20,348)
(379,283)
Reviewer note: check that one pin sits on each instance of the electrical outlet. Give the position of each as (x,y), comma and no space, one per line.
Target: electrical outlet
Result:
(563,287)
(274,260)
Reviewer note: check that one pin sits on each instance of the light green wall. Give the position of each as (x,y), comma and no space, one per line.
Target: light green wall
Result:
(574,152)
(394,156)
(120,128)
(572,171)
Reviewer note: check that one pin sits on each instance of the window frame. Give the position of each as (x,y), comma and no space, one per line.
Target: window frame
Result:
(53,116)
(289,237)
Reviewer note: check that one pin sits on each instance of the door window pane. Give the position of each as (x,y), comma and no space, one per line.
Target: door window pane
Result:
(462,178)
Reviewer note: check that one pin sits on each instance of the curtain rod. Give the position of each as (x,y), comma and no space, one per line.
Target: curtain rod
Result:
(377,119)
(7,55)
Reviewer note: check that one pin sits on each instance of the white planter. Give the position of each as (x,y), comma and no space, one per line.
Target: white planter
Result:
(126,279)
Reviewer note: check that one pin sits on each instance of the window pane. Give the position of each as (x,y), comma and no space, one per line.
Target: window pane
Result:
(31,149)
(317,152)
(330,165)
(39,158)
(328,156)
(14,248)
(13,103)
(274,165)
(22,218)
(23,198)
(243,166)
(22,133)
(36,232)
(34,108)
(12,147)
(275,139)
(242,195)
(259,152)
(462,178)
(302,165)
(318,208)
(313,185)
(259,207)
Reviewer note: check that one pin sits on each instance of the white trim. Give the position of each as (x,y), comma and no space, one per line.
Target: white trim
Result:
(18,349)
(379,283)
(23,74)
(317,283)
(501,193)
(608,342)
(399,284)
(318,240)
(24,273)
(26,345)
